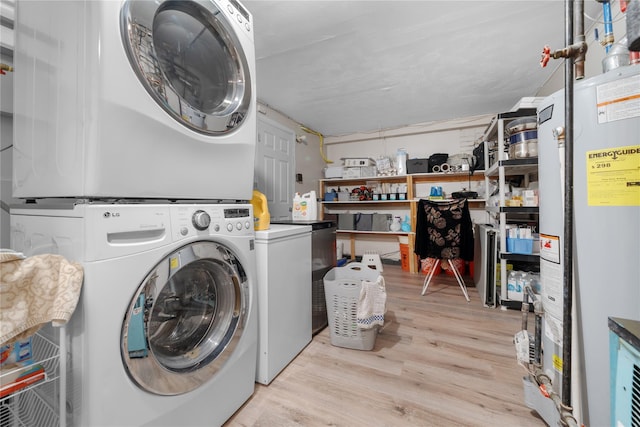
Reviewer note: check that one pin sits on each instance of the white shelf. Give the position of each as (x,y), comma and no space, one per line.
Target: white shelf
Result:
(498,171)
(37,404)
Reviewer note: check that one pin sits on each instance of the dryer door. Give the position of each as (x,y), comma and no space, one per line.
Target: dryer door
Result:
(189,58)
(185,319)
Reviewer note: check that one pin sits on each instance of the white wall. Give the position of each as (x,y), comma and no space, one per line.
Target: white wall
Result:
(6,119)
(457,136)
(420,141)
(309,161)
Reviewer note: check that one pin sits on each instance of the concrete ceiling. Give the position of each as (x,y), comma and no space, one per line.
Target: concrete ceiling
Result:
(342,67)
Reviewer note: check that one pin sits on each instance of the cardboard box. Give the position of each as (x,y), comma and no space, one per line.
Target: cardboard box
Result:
(359,172)
(333,172)
(17,352)
(358,161)
(18,376)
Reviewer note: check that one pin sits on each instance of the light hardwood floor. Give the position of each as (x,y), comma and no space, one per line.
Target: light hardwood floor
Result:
(438,361)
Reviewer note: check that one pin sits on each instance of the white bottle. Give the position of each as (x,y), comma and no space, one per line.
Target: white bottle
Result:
(305,207)
(514,288)
(401,160)
(396,225)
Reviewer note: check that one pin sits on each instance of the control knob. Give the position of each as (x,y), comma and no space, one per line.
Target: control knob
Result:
(201,220)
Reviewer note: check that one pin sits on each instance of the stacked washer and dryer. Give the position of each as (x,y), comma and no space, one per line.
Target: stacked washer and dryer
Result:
(134,141)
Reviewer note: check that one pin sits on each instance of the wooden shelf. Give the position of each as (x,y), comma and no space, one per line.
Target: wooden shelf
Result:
(366,202)
(514,209)
(383,233)
(410,203)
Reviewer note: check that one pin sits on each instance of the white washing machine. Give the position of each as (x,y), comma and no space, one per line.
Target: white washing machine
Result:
(165,333)
(134,99)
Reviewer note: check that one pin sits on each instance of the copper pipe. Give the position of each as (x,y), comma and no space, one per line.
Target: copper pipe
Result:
(5,67)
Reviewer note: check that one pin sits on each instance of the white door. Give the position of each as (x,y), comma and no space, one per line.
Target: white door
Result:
(188,57)
(275,166)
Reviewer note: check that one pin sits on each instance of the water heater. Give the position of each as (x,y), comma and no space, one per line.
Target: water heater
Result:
(606,248)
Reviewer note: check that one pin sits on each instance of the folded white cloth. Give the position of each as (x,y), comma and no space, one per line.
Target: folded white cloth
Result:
(34,291)
(372,303)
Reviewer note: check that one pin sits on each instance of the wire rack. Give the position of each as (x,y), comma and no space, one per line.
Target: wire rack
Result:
(37,404)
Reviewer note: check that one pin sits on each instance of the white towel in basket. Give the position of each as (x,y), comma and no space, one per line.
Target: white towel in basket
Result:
(372,303)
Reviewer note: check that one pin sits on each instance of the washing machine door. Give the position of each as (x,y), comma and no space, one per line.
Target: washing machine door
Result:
(185,319)
(189,58)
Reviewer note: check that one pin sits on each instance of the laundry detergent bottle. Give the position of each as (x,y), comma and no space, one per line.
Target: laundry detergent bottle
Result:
(305,207)
(261,217)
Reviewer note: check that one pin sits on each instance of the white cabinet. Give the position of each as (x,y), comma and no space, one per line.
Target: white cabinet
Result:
(283,265)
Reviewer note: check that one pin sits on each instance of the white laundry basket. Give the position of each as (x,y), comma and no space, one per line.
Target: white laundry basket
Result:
(342,290)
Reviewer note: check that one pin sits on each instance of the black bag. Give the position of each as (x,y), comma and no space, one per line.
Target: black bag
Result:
(478,158)
(437,160)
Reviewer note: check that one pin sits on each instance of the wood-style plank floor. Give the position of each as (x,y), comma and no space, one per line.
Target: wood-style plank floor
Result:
(438,361)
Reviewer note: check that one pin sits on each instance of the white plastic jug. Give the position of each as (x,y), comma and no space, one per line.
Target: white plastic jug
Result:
(305,207)
(396,224)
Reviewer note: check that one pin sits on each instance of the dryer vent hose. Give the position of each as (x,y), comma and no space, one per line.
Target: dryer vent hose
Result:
(319,135)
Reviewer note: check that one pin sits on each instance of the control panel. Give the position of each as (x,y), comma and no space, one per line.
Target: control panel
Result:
(240,14)
(207,220)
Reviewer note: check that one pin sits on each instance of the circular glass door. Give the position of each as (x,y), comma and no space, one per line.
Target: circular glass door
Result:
(188,57)
(185,319)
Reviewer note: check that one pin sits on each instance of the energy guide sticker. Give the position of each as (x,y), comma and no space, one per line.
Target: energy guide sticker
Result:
(613,176)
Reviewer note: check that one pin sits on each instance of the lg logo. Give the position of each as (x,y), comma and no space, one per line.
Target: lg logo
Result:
(111,214)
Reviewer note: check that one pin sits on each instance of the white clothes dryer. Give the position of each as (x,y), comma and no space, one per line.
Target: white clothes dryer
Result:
(134,99)
(165,333)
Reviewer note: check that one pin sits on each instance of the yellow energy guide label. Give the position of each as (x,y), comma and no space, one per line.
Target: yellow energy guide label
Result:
(613,176)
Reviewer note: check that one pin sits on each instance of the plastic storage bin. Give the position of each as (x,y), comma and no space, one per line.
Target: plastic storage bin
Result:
(404,256)
(524,246)
(342,291)
(404,252)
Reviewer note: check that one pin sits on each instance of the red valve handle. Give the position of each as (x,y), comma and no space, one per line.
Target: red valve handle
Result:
(543,390)
(546,55)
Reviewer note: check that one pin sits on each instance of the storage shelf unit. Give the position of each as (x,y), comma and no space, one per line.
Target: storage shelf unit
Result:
(40,404)
(411,202)
(519,257)
(514,209)
(499,168)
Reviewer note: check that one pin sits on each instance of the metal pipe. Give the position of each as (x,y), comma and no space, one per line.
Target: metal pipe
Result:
(608,26)
(567,288)
(537,310)
(580,40)
(565,413)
